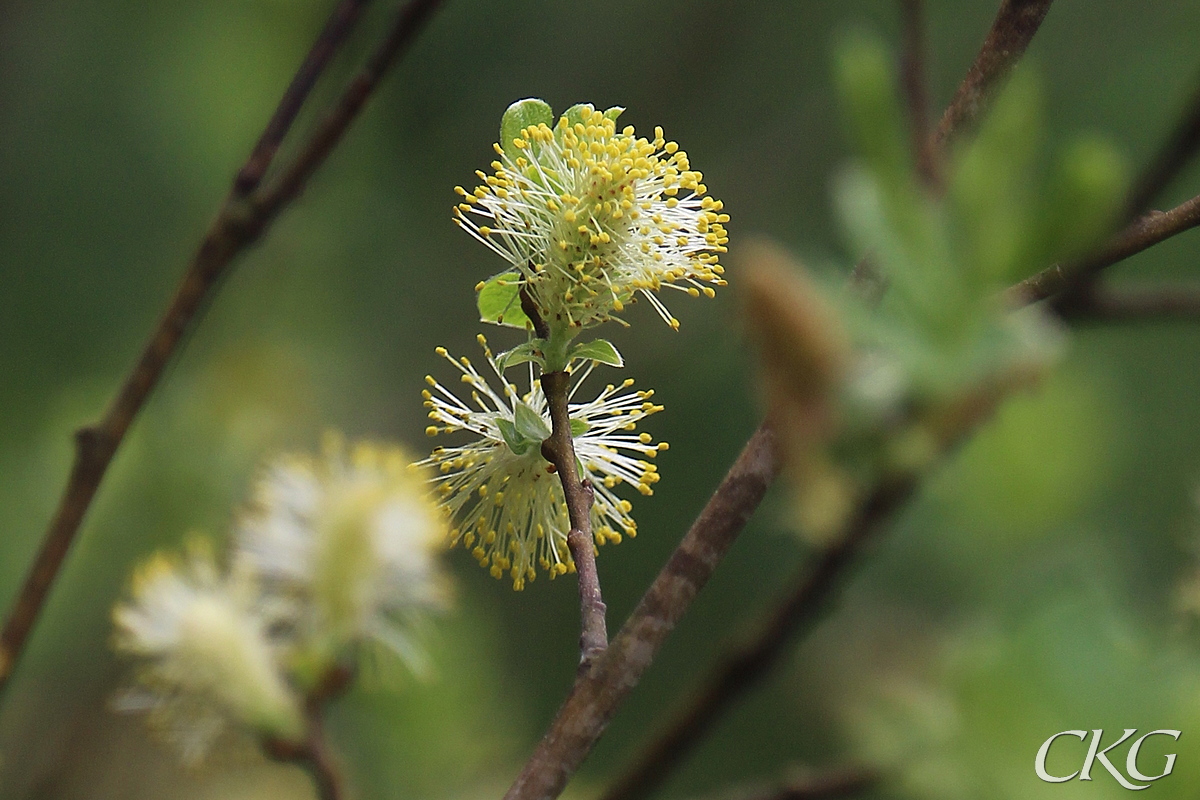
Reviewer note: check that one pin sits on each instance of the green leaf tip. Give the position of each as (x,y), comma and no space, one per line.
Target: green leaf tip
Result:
(530,424)
(867,88)
(527,113)
(499,301)
(517,443)
(600,350)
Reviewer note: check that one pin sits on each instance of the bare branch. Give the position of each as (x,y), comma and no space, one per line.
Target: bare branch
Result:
(1139,235)
(313,754)
(559,450)
(601,688)
(1179,148)
(916,89)
(1136,304)
(810,593)
(290,183)
(337,27)
(827,784)
(1016,23)
(240,222)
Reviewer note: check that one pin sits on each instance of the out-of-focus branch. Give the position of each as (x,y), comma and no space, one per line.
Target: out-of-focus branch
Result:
(1014,27)
(826,784)
(1179,148)
(801,605)
(741,667)
(313,753)
(337,27)
(1136,304)
(1073,284)
(599,689)
(1144,232)
(240,222)
(915,83)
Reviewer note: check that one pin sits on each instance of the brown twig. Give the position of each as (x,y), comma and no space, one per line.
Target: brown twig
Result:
(410,21)
(1136,304)
(1013,29)
(1139,235)
(313,753)
(559,450)
(239,223)
(826,784)
(337,27)
(600,689)
(740,668)
(916,90)
(1179,148)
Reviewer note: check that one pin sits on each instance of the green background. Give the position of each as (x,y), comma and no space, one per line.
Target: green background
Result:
(1034,588)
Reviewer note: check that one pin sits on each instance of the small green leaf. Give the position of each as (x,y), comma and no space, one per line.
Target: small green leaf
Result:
(523,114)
(530,424)
(614,112)
(867,86)
(522,353)
(579,113)
(600,350)
(516,442)
(579,427)
(499,302)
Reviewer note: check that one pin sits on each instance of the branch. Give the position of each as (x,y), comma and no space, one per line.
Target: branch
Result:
(836,782)
(1141,234)
(1174,155)
(795,612)
(337,27)
(599,689)
(239,223)
(916,91)
(1016,23)
(811,594)
(559,450)
(314,756)
(1136,304)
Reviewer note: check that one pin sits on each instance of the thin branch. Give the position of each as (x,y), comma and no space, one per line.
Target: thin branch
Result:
(410,22)
(1013,29)
(239,223)
(1179,148)
(559,450)
(810,595)
(811,592)
(314,756)
(337,27)
(827,784)
(1136,304)
(600,689)
(916,89)
(1139,235)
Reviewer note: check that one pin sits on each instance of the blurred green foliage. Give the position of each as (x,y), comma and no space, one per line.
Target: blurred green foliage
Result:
(1028,592)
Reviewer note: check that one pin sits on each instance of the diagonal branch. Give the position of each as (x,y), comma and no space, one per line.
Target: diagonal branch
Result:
(739,669)
(1013,29)
(601,688)
(1179,148)
(916,90)
(1136,304)
(1141,234)
(810,784)
(240,222)
(337,27)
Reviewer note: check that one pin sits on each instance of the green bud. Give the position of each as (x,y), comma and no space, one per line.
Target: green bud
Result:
(523,114)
